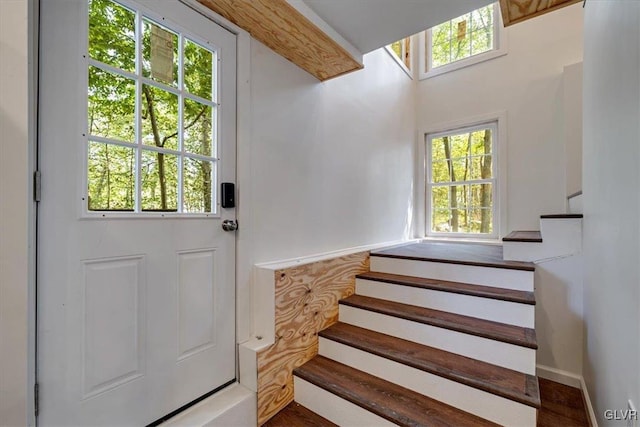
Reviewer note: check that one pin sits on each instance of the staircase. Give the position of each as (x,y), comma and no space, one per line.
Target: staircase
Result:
(435,334)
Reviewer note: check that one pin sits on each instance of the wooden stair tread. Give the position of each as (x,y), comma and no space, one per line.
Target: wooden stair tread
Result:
(453,287)
(517,335)
(494,379)
(523,236)
(296,415)
(383,398)
(562,216)
(479,255)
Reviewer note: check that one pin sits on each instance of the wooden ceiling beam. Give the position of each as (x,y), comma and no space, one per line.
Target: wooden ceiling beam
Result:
(515,11)
(286,31)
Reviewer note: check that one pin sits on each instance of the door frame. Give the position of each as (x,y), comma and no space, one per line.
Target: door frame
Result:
(243,258)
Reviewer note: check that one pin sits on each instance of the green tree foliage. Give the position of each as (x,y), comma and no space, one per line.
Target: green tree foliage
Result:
(460,201)
(462,37)
(147,154)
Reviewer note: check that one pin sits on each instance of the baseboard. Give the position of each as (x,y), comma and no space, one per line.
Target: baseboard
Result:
(593,420)
(572,380)
(559,376)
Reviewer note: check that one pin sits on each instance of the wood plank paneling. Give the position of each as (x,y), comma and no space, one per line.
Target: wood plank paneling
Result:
(514,11)
(306,299)
(286,31)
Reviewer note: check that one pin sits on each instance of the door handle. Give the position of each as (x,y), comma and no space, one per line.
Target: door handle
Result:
(229,225)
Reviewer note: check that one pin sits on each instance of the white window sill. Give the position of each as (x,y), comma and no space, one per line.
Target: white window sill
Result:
(463,63)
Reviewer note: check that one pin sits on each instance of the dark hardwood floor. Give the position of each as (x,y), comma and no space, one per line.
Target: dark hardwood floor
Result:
(296,415)
(562,406)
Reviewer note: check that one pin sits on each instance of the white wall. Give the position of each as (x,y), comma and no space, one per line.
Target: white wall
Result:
(331,163)
(527,83)
(14,205)
(611,177)
(559,315)
(572,114)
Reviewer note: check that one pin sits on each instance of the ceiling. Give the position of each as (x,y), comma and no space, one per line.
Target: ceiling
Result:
(327,38)
(371,24)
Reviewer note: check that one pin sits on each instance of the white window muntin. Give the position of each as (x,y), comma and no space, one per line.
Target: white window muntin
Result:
(141,14)
(429,184)
(425,69)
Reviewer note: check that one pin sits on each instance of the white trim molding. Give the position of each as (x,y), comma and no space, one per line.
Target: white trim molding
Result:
(559,376)
(587,400)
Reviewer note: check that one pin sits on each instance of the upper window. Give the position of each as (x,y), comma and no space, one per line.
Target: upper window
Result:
(401,52)
(461,182)
(152,115)
(465,40)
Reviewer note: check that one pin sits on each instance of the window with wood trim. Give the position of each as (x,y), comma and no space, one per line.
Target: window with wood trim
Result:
(465,40)
(152,115)
(461,182)
(401,51)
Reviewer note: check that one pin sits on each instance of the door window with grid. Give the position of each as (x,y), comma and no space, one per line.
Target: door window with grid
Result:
(461,181)
(152,115)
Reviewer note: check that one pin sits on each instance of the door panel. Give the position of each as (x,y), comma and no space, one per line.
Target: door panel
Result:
(136,309)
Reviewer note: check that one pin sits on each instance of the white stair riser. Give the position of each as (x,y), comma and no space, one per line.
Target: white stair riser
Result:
(510,356)
(560,237)
(511,313)
(332,407)
(469,399)
(566,233)
(525,251)
(488,276)
(575,205)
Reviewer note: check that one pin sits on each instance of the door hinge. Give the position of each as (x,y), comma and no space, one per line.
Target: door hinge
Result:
(36,398)
(37,186)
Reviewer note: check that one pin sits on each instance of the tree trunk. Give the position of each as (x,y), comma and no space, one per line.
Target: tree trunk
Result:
(205,137)
(466,175)
(159,143)
(453,190)
(163,183)
(485,192)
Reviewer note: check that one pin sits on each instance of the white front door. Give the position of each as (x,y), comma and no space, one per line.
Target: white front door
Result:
(136,284)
